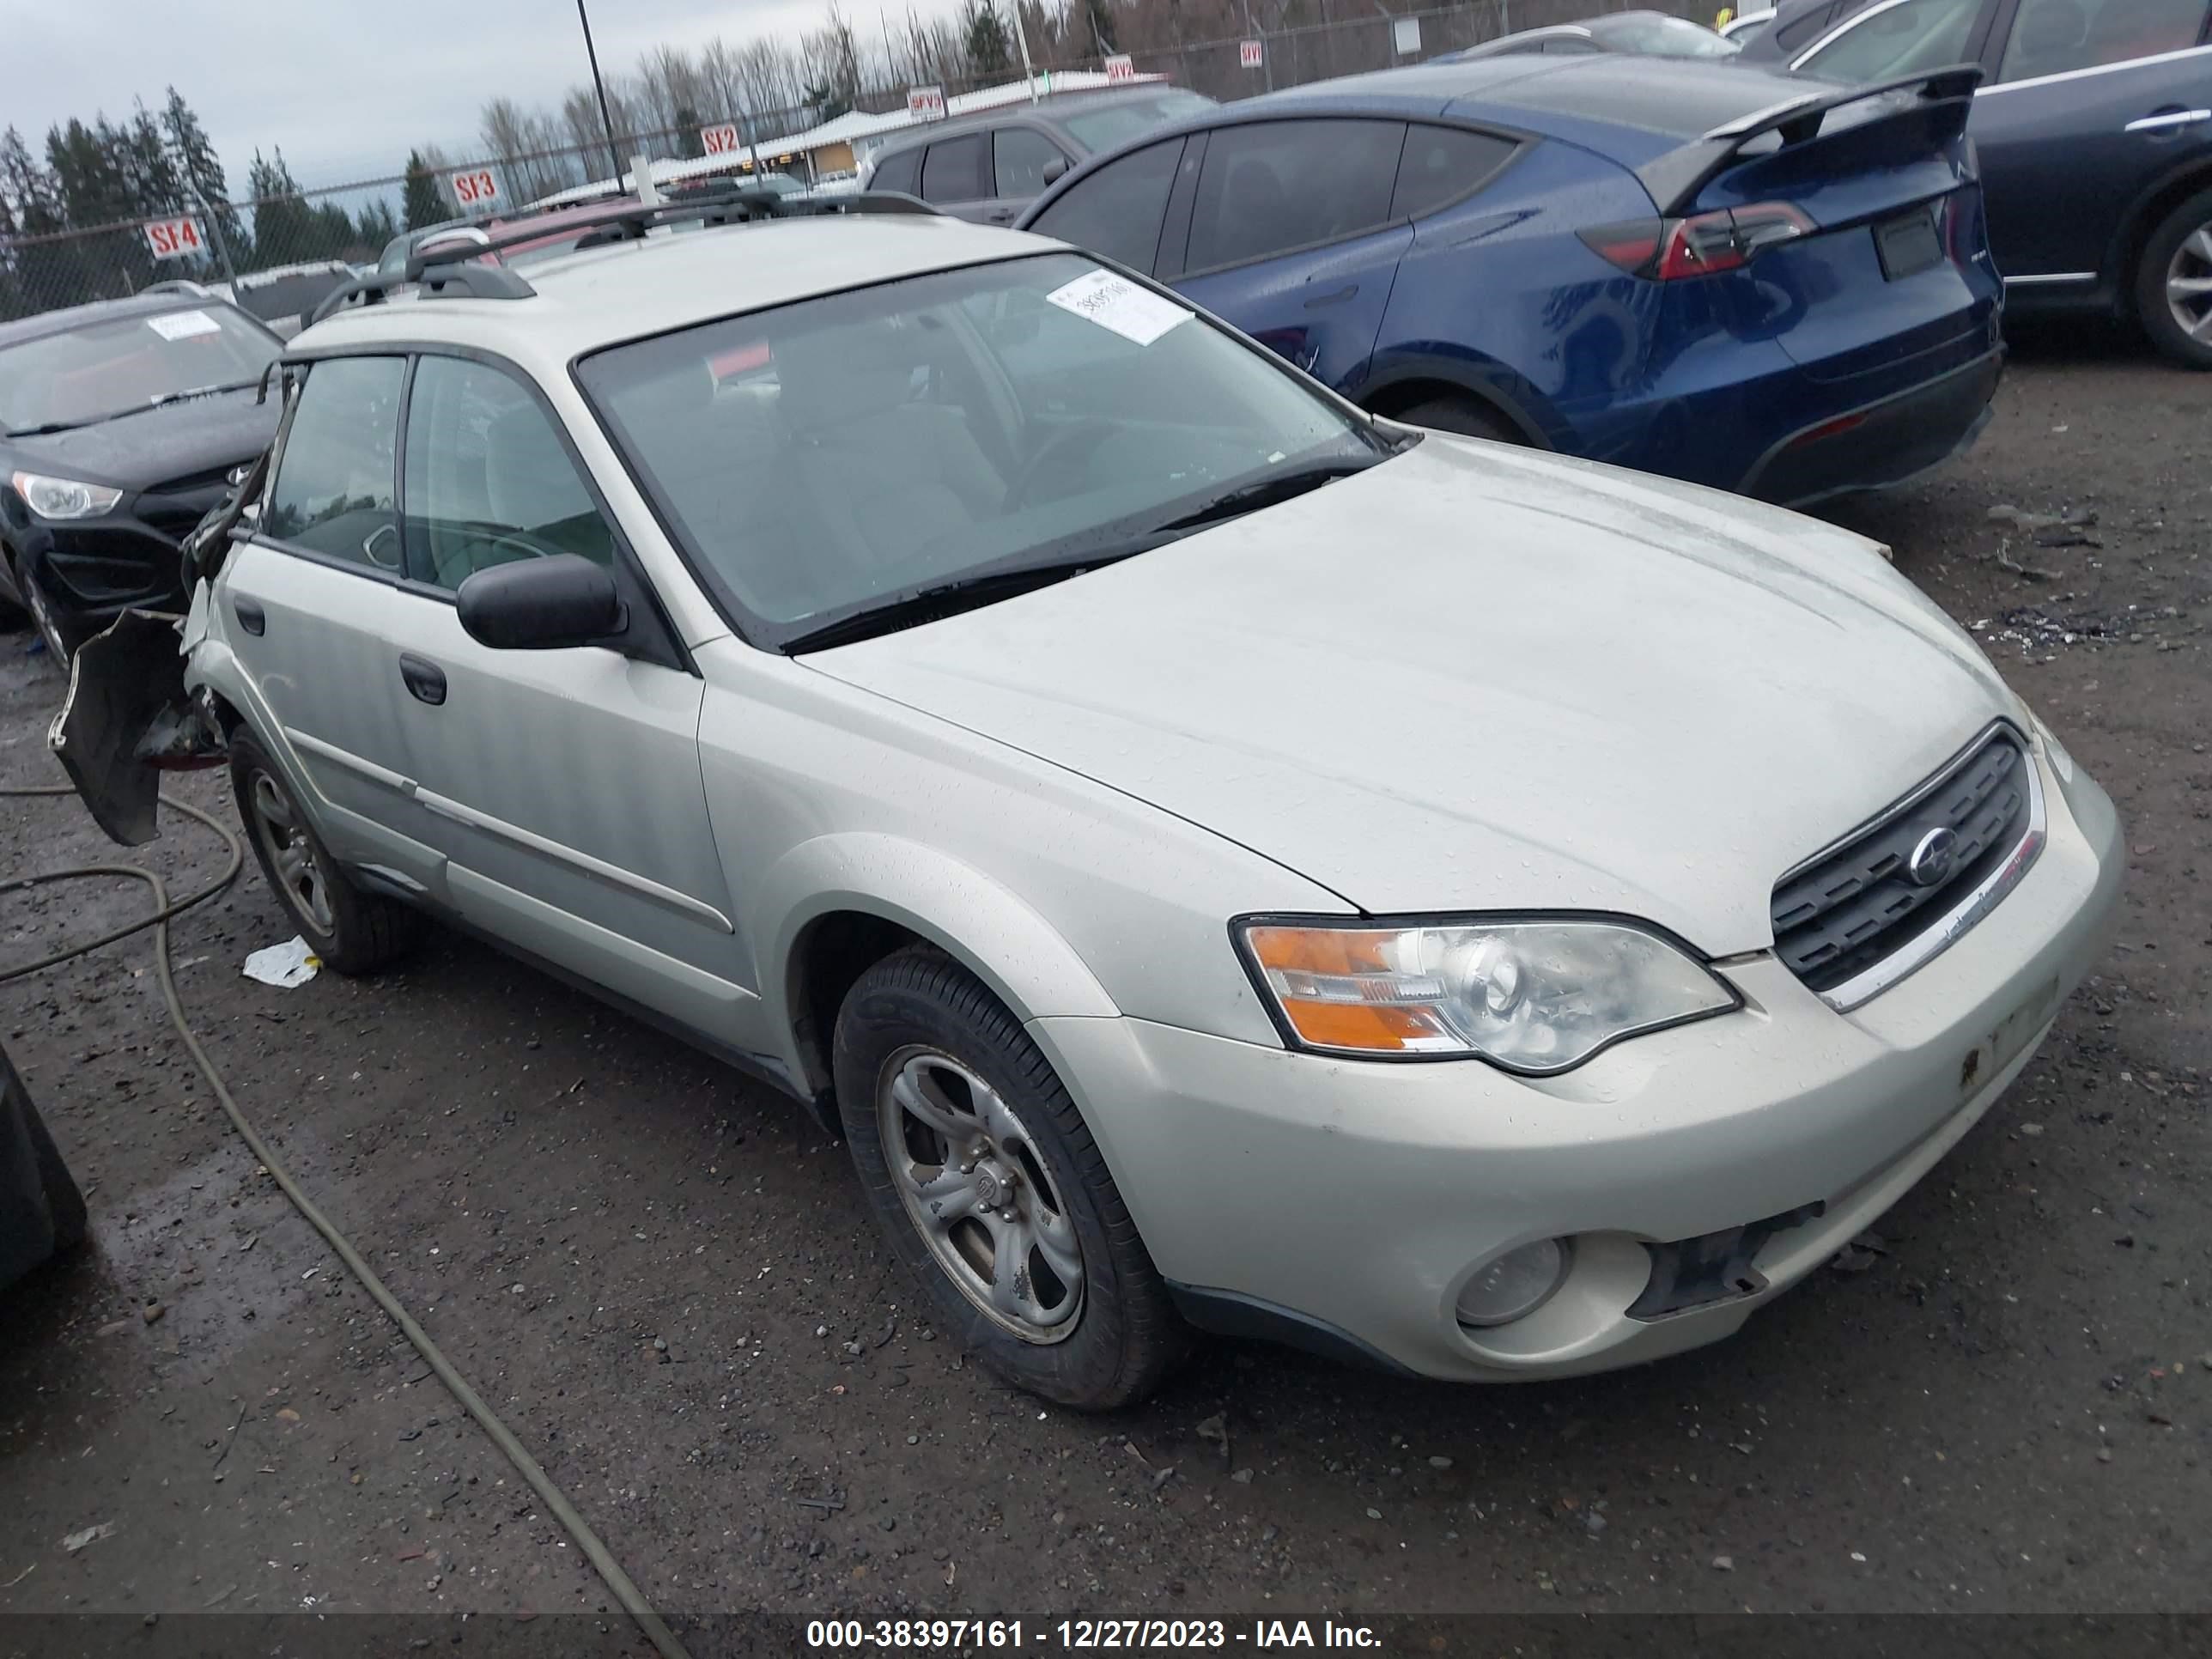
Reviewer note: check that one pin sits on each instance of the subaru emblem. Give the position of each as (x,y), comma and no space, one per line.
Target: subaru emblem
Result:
(1931,859)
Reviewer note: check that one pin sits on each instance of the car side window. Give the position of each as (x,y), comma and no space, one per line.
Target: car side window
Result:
(1271,187)
(1907,38)
(2050,37)
(488,479)
(954,171)
(900,172)
(1440,164)
(332,493)
(1019,156)
(1118,210)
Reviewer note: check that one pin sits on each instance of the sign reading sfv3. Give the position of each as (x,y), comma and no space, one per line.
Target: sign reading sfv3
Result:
(926,103)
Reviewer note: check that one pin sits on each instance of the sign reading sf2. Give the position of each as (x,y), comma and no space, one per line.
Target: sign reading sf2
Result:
(720,140)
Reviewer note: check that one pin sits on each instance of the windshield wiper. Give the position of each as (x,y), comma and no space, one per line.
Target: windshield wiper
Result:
(1267,492)
(969,593)
(169,398)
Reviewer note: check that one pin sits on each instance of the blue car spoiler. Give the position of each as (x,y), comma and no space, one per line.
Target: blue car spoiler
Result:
(1676,178)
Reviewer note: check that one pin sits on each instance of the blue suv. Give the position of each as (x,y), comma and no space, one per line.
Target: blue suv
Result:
(1727,275)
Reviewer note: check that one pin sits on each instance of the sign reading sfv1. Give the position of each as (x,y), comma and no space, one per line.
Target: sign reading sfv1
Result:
(474,189)
(1121,67)
(172,239)
(926,103)
(721,140)
(1248,53)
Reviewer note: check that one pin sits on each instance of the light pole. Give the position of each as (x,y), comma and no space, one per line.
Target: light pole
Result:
(600,86)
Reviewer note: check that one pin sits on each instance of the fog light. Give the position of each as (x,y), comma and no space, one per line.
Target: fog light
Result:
(1515,1285)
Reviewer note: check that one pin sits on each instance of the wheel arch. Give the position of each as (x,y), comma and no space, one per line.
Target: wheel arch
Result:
(2143,218)
(1400,383)
(834,907)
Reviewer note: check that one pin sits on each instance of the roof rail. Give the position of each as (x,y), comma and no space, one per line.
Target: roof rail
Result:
(457,265)
(178,285)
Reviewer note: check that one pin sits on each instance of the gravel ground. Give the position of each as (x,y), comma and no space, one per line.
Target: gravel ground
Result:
(663,1276)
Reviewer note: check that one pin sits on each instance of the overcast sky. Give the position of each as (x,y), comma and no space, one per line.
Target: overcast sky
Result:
(346,86)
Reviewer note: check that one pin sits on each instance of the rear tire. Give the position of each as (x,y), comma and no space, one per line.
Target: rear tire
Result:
(1463,415)
(348,928)
(2175,313)
(920,1038)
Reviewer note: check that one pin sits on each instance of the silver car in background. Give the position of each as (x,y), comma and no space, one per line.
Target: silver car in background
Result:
(1220,860)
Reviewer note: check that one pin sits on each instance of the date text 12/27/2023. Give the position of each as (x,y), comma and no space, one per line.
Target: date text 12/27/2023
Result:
(1072,1635)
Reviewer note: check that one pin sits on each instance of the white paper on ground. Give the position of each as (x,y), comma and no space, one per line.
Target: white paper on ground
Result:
(183,325)
(1116,302)
(283,965)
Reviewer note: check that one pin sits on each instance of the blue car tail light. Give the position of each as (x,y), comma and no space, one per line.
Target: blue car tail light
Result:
(1670,250)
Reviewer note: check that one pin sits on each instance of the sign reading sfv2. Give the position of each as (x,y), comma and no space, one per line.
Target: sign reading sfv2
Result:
(1121,67)
(476,190)
(721,140)
(172,239)
(926,103)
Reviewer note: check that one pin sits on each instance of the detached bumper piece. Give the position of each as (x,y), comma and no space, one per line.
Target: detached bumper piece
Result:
(126,721)
(1697,1273)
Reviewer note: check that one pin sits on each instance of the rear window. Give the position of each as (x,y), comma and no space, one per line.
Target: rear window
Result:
(1441,164)
(1271,187)
(1666,36)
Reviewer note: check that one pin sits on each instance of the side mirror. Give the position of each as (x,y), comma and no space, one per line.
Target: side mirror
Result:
(542,604)
(1055,169)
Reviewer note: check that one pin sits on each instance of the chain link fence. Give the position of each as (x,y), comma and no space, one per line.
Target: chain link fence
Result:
(286,252)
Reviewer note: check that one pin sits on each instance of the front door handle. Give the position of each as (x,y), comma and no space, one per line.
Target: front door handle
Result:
(2166,120)
(251,617)
(424,678)
(1337,297)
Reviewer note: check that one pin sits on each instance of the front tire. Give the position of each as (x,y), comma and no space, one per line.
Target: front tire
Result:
(352,930)
(1463,415)
(991,1190)
(2174,283)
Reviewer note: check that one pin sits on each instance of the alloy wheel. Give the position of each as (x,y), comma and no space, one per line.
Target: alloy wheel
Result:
(292,856)
(975,1189)
(2188,284)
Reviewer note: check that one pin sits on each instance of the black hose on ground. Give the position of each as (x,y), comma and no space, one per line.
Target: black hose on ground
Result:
(627,1593)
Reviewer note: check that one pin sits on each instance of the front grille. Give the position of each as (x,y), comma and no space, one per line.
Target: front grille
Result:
(1858,902)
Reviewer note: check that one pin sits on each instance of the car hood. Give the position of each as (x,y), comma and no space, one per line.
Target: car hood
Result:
(1476,677)
(155,446)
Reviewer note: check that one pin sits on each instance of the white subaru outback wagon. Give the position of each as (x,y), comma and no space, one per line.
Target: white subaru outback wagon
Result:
(1221,860)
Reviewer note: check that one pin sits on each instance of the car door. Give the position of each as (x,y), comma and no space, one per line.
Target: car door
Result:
(1020,158)
(2094,104)
(1289,236)
(310,605)
(954,175)
(564,785)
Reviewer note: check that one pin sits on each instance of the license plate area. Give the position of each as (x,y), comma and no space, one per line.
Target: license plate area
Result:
(1908,244)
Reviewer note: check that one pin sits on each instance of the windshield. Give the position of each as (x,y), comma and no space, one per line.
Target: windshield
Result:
(1895,40)
(1124,119)
(128,363)
(1668,37)
(827,456)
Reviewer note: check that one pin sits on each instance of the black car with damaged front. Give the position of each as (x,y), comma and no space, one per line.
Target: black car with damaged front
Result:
(122,424)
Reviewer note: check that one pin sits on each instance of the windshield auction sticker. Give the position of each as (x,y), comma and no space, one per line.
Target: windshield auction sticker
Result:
(1134,313)
(183,325)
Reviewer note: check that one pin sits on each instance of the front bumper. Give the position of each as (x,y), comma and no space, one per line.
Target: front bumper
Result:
(92,570)
(1347,1204)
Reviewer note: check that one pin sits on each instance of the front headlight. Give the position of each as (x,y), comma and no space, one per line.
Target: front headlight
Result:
(1536,996)
(64,498)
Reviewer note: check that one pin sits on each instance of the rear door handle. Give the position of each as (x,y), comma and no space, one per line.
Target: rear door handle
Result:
(424,678)
(251,617)
(2168,119)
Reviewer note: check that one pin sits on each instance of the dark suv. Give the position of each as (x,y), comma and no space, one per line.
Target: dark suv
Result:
(121,424)
(990,167)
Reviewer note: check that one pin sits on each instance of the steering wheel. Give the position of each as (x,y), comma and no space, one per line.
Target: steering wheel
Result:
(1084,435)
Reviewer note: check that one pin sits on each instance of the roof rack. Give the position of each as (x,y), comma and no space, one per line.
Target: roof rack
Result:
(178,285)
(457,267)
